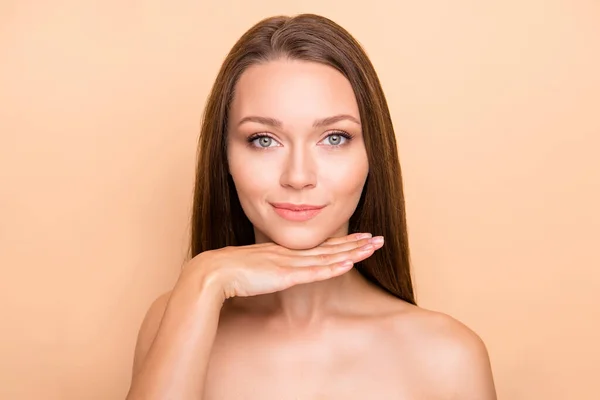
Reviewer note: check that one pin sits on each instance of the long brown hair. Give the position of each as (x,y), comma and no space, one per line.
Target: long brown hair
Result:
(217,216)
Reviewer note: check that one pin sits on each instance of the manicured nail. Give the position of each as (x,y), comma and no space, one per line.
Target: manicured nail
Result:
(344,265)
(377,240)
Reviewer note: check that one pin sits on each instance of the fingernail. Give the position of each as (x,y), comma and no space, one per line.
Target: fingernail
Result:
(377,240)
(364,236)
(344,265)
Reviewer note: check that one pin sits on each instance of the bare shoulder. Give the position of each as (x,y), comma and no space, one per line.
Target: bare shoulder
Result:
(449,354)
(148,329)
(439,330)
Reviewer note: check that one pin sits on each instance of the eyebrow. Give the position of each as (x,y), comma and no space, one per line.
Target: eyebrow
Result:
(316,124)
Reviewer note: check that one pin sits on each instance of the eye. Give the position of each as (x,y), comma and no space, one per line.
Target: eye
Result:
(338,138)
(261,141)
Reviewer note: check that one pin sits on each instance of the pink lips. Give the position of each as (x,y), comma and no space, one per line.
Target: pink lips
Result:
(296,212)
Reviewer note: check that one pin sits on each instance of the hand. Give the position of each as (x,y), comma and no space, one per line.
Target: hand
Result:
(268,267)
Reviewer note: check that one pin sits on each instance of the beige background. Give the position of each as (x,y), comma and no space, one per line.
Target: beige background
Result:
(496,106)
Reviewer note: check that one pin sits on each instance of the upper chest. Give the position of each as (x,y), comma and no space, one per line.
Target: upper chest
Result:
(344,362)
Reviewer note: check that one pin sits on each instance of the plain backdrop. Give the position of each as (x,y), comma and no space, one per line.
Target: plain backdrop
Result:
(496,108)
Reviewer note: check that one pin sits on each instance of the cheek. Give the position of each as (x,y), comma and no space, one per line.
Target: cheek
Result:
(341,175)
(252,178)
(345,176)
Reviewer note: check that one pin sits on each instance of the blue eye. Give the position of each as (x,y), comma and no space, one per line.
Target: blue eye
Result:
(262,142)
(336,138)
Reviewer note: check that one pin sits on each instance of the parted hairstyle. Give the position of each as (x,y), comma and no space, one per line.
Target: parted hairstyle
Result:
(218,219)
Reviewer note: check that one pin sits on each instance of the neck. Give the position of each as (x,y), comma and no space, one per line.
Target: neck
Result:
(305,304)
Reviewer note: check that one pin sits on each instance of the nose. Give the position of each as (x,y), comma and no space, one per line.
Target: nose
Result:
(299,171)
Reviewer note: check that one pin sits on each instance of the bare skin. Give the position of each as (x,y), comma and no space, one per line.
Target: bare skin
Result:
(374,346)
(284,318)
(362,343)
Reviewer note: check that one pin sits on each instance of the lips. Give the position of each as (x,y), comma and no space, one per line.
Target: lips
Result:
(296,207)
(296,212)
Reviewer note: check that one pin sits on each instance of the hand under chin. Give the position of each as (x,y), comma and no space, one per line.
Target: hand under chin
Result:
(299,241)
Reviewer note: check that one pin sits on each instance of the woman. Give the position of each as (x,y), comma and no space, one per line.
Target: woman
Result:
(291,292)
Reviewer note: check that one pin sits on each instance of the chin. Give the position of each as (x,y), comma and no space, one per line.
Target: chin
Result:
(298,239)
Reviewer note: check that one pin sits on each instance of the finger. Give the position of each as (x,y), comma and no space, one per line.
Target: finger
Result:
(355,255)
(333,245)
(348,239)
(336,248)
(297,276)
(345,239)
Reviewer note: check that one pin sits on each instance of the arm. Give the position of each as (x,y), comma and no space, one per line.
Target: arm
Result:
(174,344)
(177,335)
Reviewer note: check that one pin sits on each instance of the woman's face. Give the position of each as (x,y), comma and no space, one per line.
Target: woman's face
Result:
(278,152)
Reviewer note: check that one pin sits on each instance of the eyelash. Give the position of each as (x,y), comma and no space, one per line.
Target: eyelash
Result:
(255,136)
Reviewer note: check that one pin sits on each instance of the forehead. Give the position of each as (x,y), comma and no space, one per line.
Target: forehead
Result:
(293,91)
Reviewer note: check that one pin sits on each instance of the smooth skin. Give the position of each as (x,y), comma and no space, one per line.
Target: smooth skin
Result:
(285,318)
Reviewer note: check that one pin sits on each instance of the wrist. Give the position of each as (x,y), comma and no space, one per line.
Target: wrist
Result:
(211,286)
(201,288)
